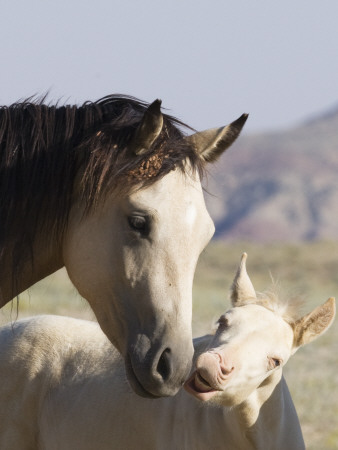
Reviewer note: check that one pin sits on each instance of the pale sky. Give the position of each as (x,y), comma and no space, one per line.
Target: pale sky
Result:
(209,61)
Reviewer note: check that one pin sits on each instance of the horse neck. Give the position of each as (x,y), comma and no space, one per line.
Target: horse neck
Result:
(47,258)
(268,419)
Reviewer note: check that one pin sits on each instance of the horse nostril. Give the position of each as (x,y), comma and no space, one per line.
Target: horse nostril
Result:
(164,364)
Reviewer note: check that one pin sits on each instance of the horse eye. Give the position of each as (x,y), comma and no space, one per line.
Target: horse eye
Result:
(274,362)
(139,224)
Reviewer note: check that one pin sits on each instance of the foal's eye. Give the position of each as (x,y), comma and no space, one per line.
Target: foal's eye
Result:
(139,224)
(274,362)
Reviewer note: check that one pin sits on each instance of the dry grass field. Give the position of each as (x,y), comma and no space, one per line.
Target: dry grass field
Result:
(309,270)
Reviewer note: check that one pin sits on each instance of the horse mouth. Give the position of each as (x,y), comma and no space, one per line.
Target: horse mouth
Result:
(199,387)
(134,382)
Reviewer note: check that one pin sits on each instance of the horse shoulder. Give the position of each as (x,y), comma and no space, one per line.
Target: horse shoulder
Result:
(37,357)
(23,383)
(88,407)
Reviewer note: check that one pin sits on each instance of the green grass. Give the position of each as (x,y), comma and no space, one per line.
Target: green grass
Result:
(309,270)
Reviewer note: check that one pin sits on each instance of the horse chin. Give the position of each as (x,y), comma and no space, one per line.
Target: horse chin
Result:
(134,382)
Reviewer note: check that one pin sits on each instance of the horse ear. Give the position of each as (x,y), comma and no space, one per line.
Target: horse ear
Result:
(210,144)
(242,290)
(148,130)
(314,324)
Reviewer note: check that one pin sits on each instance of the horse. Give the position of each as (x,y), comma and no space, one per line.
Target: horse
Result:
(63,385)
(111,190)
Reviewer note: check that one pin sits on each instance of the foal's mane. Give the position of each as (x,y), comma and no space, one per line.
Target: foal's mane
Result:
(45,148)
(288,308)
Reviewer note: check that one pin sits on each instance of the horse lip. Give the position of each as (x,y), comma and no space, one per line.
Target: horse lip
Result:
(197,386)
(201,384)
(134,382)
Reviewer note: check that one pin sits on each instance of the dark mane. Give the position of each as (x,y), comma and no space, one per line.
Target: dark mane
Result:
(45,148)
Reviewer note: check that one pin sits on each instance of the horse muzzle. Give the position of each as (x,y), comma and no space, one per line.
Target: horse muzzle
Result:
(157,371)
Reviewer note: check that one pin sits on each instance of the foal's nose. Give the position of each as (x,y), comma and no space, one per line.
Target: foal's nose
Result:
(226,364)
(214,368)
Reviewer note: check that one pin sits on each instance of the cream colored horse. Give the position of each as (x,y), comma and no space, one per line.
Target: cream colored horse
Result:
(63,385)
(111,190)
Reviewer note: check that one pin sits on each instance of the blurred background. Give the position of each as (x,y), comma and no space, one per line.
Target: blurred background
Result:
(274,194)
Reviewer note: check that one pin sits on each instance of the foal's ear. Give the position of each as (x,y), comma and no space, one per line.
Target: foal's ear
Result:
(210,144)
(242,290)
(148,130)
(314,324)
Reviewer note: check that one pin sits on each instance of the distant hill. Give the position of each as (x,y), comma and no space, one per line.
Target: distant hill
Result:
(280,185)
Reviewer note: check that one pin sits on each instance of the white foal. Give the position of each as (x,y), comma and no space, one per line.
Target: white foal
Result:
(63,385)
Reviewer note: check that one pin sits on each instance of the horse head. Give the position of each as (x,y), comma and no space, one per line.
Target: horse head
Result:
(134,255)
(253,342)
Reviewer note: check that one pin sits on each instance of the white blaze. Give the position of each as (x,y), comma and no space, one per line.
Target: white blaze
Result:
(190,215)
